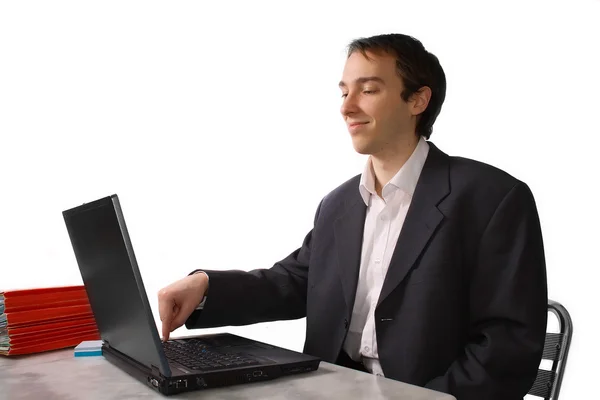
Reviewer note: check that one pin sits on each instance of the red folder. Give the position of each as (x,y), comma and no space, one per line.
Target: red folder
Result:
(24,299)
(49,333)
(47,314)
(49,336)
(56,343)
(49,326)
(42,319)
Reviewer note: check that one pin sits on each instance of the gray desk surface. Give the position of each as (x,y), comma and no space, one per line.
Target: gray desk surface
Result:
(59,375)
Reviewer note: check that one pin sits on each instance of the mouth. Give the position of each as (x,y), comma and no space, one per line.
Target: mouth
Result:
(354,127)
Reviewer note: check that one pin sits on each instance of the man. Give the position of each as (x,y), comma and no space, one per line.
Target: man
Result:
(426,268)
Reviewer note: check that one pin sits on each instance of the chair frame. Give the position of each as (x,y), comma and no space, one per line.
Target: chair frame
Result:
(555,351)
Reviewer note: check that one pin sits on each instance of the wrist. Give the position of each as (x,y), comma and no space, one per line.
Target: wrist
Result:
(201,282)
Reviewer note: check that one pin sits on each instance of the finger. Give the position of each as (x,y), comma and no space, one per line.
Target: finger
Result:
(182,315)
(169,325)
(165,304)
(166,329)
(166,307)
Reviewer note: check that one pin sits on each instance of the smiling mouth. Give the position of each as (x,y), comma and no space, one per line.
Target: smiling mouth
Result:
(357,124)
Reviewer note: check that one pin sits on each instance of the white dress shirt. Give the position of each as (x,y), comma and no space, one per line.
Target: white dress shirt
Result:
(384,219)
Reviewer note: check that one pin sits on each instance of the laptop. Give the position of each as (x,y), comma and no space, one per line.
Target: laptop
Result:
(116,293)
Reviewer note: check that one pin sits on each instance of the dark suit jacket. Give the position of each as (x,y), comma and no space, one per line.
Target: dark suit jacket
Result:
(463,307)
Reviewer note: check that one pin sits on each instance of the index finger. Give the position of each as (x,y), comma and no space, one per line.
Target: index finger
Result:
(165,310)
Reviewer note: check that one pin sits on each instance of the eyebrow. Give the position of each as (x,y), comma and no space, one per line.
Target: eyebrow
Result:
(364,79)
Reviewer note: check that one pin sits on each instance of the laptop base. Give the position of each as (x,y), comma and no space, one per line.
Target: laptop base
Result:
(196,381)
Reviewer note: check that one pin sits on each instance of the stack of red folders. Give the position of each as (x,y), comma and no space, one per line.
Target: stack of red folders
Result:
(42,319)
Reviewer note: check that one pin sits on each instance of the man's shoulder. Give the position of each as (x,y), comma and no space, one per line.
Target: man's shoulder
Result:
(341,198)
(348,188)
(478,172)
(478,182)
(347,191)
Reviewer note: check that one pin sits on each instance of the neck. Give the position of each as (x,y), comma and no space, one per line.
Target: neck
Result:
(388,162)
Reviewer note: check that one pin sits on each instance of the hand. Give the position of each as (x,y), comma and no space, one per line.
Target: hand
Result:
(178,300)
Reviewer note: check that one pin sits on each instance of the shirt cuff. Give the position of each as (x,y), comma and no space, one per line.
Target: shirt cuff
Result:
(201,305)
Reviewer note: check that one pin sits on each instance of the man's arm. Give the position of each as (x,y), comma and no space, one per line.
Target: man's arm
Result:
(242,298)
(508,307)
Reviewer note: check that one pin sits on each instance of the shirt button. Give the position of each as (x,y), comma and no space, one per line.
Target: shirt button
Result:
(367,348)
(378,261)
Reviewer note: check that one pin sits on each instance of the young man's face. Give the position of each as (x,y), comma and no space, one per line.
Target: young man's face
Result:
(376,116)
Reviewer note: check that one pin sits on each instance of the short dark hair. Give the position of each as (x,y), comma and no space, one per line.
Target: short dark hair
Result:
(417,68)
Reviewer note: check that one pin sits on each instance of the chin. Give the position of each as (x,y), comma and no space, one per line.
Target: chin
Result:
(361,147)
(362,151)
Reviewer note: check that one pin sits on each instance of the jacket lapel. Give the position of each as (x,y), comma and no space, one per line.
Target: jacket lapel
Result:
(421,221)
(349,230)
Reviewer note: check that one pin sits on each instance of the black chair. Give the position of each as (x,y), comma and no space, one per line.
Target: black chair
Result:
(556,348)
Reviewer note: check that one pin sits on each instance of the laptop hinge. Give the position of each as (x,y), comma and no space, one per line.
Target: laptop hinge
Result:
(155,370)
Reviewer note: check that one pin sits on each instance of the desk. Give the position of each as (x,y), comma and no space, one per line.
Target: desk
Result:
(58,375)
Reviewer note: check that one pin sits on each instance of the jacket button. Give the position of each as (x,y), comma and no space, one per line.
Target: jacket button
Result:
(345,323)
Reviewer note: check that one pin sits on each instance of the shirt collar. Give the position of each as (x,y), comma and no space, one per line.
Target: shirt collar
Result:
(405,179)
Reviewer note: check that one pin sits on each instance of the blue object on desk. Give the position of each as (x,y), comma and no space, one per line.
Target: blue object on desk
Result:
(89,348)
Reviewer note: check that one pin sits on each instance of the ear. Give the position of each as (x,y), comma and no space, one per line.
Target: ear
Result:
(420,100)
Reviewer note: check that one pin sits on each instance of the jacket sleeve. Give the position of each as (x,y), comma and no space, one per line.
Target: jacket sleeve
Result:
(508,307)
(237,297)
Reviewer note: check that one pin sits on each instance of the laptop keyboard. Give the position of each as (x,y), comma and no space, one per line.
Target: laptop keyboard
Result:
(195,354)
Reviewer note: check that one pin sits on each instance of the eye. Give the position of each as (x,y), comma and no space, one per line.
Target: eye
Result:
(344,95)
(369,91)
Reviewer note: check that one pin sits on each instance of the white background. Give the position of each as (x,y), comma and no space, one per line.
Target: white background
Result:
(219,129)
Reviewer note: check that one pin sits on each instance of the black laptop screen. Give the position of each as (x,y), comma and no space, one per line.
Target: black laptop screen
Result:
(111,277)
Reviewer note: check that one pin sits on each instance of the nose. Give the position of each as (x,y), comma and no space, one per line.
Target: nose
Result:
(349,105)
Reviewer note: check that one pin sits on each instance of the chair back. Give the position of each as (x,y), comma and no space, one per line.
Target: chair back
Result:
(556,348)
